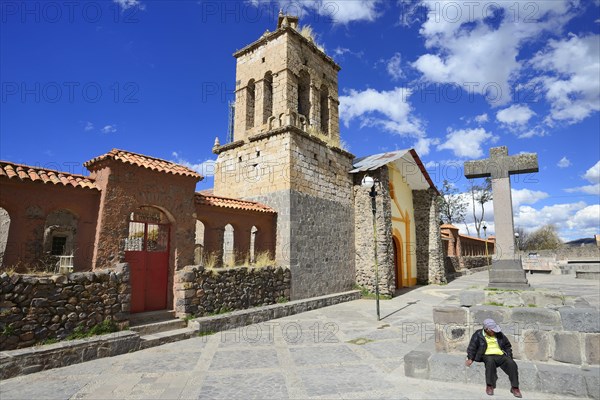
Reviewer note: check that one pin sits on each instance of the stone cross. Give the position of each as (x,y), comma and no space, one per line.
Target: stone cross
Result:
(499,167)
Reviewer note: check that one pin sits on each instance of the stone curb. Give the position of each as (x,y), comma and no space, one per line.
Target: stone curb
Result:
(38,358)
(542,377)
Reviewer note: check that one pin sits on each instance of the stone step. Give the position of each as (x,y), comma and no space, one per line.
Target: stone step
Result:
(160,338)
(158,327)
(150,317)
(556,378)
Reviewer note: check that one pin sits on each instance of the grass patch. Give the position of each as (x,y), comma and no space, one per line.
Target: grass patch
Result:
(366,294)
(493,303)
(531,305)
(360,341)
(8,330)
(222,310)
(282,300)
(188,318)
(103,328)
(207,333)
(502,290)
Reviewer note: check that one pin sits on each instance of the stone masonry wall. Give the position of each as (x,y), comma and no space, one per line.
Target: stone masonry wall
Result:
(430,257)
(200,291)
(564,334)
(37,308)
(363,233)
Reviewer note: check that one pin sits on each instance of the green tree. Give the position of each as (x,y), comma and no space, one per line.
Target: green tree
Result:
(544,238)
(451,204)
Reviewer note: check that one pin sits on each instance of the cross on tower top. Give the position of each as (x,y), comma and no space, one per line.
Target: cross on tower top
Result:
(501,165)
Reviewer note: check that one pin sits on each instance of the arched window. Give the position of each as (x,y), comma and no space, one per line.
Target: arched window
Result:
(304,94)
(4,228)
(199,243)
(324,109)
(268,97)
(250,100)
(253,233)
(59,233)
(228,246)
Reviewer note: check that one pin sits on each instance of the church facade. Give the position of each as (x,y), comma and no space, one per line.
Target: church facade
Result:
(284,186)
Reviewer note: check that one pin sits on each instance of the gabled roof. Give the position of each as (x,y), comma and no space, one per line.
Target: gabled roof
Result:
(140,160)
(43,175)
(225,202)
(409,156)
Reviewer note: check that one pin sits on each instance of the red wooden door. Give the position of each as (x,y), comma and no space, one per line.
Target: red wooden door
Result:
(147,252)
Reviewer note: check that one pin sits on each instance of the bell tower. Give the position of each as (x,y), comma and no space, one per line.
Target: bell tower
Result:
(286,153)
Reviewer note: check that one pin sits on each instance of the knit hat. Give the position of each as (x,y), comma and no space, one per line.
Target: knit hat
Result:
(491,325)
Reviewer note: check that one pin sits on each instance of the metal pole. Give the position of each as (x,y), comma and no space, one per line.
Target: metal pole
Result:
(373,194)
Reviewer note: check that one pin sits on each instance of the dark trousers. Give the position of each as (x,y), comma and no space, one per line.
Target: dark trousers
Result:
(507,364)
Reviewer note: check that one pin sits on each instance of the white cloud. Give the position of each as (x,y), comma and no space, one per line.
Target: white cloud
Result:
(126,4)
(394,67)
(389,110)
(466,143)
(593,174)
(526,196)
(88,126)
(109,129)
(205,168)
(340,12)
(535,131)
(572,68)
(586,218)
(559,214)
(516,114)
(481,118)
(564,163)
(465,49)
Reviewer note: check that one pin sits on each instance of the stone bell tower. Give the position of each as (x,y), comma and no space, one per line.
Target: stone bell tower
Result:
(286,153)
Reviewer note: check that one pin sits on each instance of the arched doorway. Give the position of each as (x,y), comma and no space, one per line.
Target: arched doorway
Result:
(147,252)
(398,261)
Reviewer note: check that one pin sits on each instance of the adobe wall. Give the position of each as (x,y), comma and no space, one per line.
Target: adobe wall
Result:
(28,205)
(242,221)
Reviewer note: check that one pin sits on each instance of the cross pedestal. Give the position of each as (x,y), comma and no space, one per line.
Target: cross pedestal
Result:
(507,270)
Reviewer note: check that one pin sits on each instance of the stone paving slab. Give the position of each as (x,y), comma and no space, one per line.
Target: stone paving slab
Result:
(339,352)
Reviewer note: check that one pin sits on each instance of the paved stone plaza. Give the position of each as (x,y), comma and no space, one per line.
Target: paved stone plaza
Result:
(338,352)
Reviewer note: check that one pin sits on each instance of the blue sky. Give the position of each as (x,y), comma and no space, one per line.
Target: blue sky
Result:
(449,78)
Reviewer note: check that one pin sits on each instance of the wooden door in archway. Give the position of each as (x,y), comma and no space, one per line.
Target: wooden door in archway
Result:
(398,261)
(147,252)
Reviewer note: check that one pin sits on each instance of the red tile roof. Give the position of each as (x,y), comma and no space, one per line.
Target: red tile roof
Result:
(140,160)
(43,175)
(225,202)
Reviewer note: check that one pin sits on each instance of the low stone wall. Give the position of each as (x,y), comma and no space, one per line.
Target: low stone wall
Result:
(578,381)
(37,308)
(476,261)
(565,334)
(200,291)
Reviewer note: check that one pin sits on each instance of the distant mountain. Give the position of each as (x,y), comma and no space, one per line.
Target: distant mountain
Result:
(581,242)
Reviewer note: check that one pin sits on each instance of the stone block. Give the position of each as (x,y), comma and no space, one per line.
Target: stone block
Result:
(562,379)
(505,298)
(416,364)
(536,318)
(449,315)
(469,298)
(542,299)
(592,348)
(567,347)
(580,319)
(591,375)
(535,345)
(447,368)
(480,313)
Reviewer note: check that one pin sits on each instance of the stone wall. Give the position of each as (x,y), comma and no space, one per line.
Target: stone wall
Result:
(476,261)
(36,308)
(430,257)
(564,334)
(363,234)
(564,253)
(200,291)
